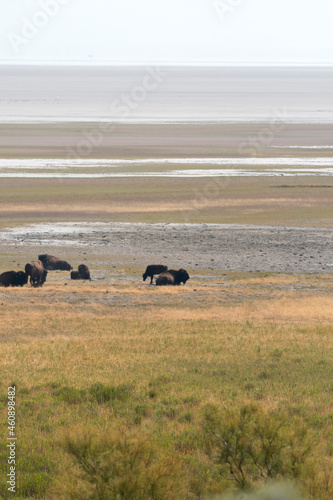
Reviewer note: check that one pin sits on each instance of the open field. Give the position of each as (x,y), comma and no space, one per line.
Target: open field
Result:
(253,338)
(292,201)
(164,354)
(208,295)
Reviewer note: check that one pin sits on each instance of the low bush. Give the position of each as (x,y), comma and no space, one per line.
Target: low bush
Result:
(119,464)
(251,445)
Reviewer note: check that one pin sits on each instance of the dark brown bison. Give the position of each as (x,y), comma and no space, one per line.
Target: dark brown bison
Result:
(54,263)
(75,275)
(13,278)
(180,276)
(82,273)
(165,279)
(37,273)
(172,277)
(152,270)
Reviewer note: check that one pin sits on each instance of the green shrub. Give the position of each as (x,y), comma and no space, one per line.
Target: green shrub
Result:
(118,464)
(251,445)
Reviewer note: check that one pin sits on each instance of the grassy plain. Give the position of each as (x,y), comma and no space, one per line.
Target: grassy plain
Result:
(292,201)
(159,356)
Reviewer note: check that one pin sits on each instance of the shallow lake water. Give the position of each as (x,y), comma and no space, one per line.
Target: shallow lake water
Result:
(165,167)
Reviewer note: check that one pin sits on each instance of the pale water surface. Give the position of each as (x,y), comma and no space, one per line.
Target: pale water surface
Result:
(166,167)
(135,94)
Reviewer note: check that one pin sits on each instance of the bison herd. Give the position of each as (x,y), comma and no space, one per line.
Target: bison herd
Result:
(165,276)
(37,271)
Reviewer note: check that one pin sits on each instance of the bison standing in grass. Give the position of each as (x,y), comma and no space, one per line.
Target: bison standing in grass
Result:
(172,277)
(13,278)
(54,263)
(152,270)
(37,273)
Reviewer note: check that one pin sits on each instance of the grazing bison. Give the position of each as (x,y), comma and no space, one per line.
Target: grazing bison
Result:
(54,263)
(37,273)
(152,270)
(13,278)
(172,277)
(83,273)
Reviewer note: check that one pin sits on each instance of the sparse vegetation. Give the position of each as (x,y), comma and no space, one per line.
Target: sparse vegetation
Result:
(256,200)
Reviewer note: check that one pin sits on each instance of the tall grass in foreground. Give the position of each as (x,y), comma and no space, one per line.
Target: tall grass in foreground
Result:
(247,445)
(98,397)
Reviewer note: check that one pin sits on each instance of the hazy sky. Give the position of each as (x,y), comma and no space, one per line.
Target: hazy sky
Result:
(167,30)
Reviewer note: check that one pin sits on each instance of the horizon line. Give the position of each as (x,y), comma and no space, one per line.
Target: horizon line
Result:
(168,63)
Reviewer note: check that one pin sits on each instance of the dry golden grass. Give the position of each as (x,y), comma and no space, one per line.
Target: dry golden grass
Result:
(278,298)
(286,309)
(247,339)
(82,322)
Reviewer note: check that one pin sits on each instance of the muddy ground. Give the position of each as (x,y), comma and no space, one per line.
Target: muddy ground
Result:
(210,247)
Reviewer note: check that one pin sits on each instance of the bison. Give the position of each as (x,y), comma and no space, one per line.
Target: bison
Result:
(75,275)
(13,278)
(54,263)
(172,277)
(152,270)
(37,273)
(82,273)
